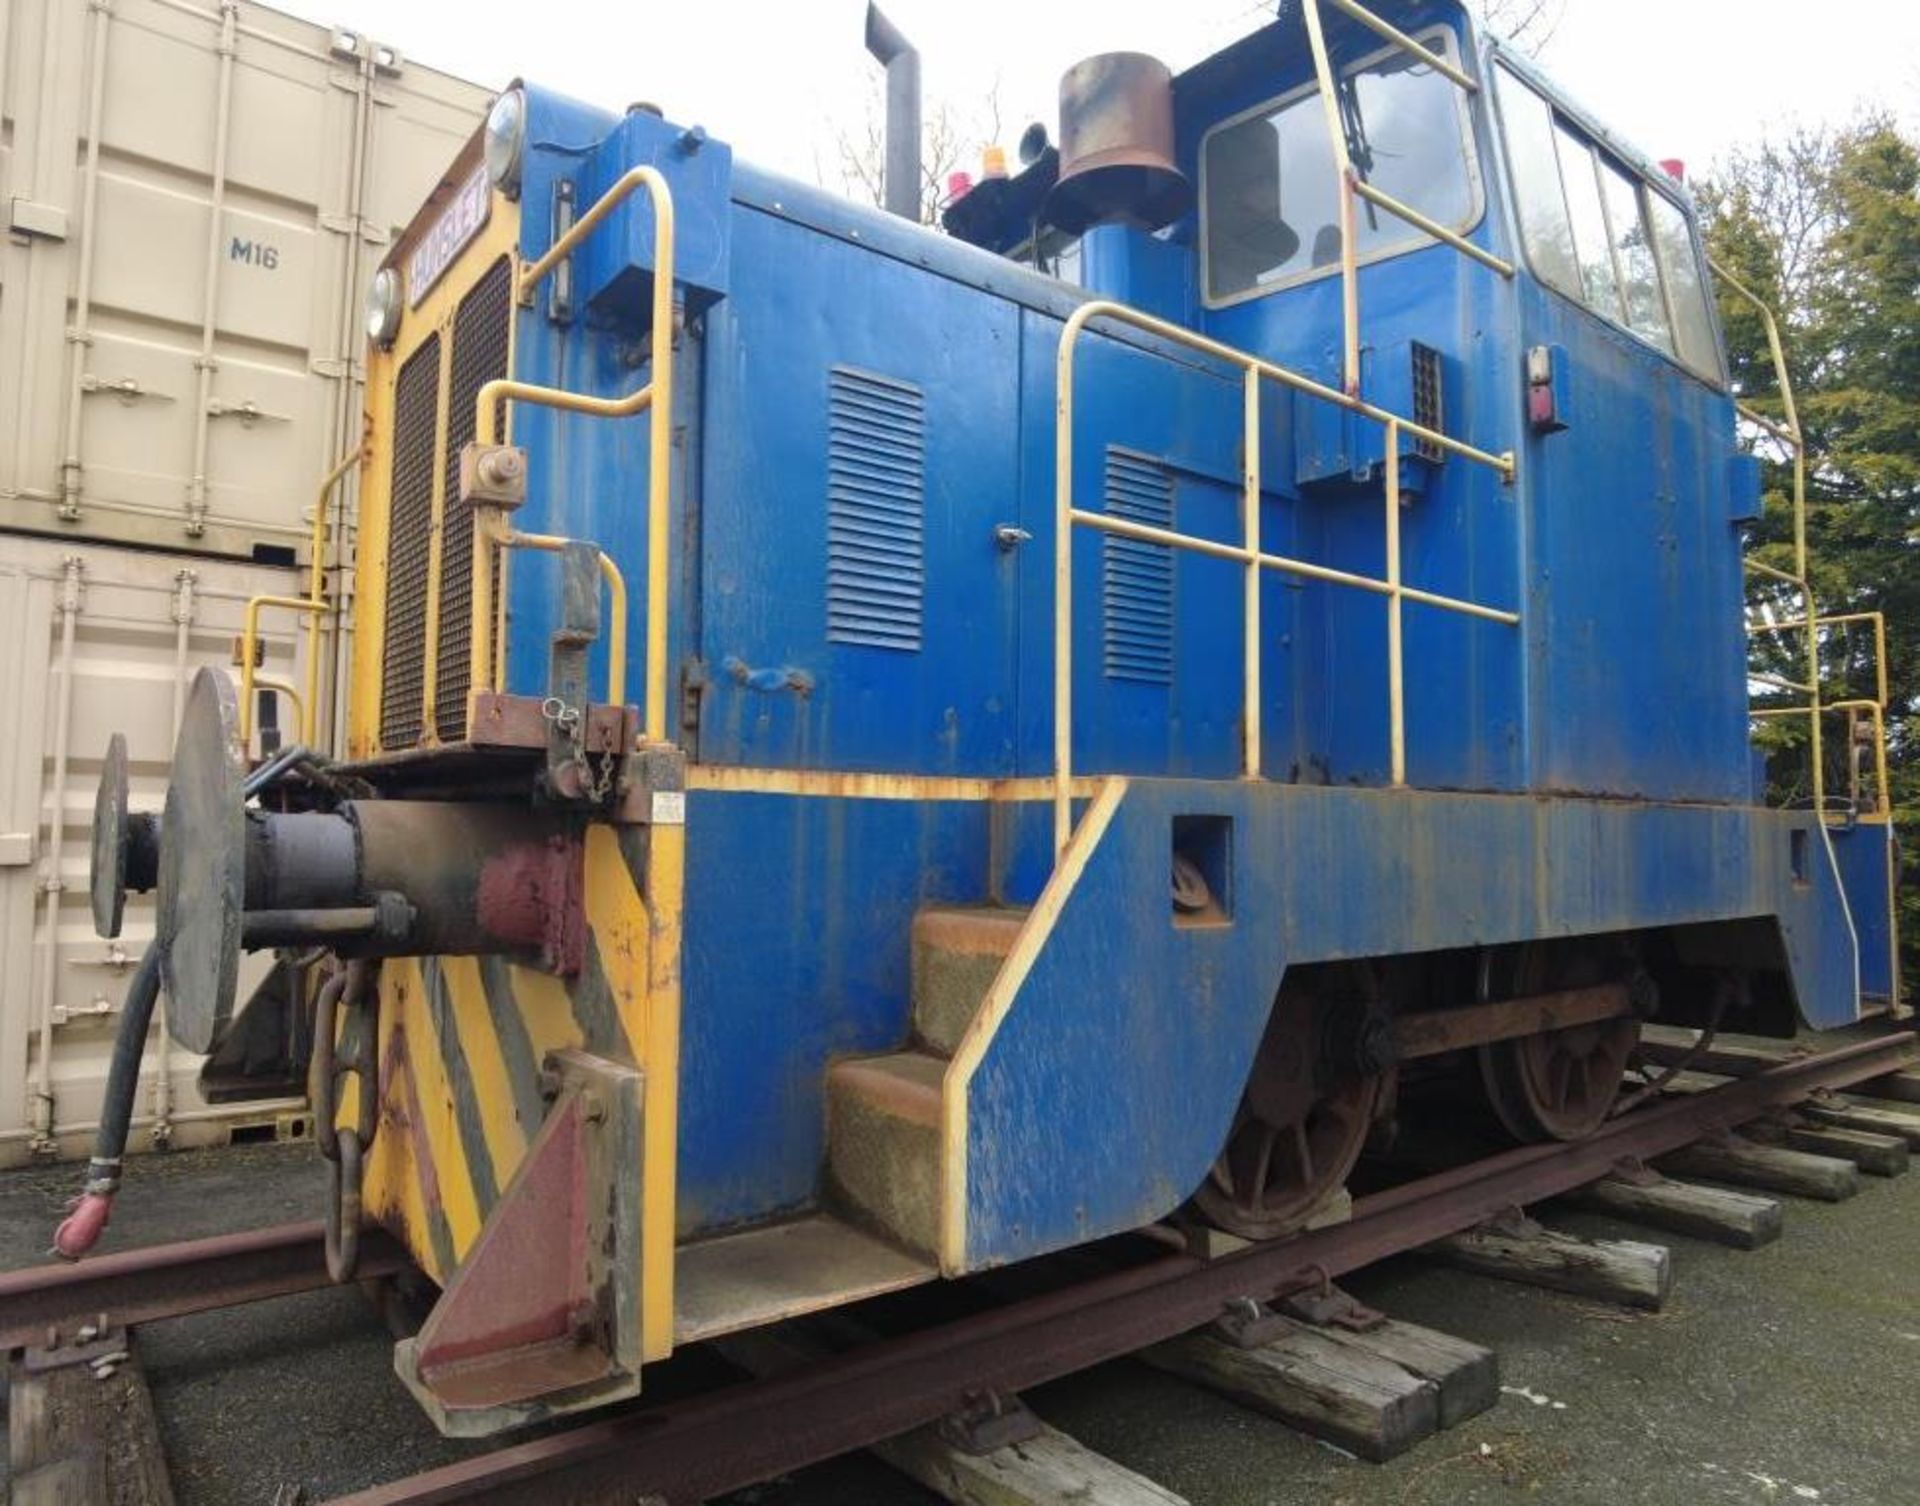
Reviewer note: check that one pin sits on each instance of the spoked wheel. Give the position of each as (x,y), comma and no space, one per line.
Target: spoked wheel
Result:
(1299,1129)
(1558,1084)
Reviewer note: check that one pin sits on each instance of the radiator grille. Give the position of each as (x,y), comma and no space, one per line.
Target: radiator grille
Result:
(416,394)
(1137,603)
(480,330)
(876,462)
(1429,400)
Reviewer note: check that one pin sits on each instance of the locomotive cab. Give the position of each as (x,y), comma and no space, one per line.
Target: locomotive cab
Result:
(869,761)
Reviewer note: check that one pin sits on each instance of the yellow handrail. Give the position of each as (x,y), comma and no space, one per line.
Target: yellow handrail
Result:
(1817,707)
(1883,795)
(1248,552)
(552,543)
(1884,798)
(1841,619)
(1406,43)
(1353,187)
(655,398)
(1790,433)
(1384,200)
(502,390)
(1882,813)
(1793,437)
(288,689)
(313,605)
(1882,691)
(249,649)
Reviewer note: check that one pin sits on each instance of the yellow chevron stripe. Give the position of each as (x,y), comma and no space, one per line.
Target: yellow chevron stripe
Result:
(640,952)
(487,1062)
(391,1194)
(618,916)
(454,1176)
(395,1188)
(545,1006)
(638,945)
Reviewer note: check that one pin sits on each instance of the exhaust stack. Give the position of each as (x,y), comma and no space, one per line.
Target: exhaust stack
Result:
(902,62)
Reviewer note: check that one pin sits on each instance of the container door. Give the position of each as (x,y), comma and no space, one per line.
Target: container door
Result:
(242,171)
(141,625)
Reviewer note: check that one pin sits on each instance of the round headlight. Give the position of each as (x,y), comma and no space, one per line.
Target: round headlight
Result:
(506,139)
(383,306)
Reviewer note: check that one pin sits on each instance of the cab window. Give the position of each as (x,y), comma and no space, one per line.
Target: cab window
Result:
(1602,235)
(1679,260)
(1271,200)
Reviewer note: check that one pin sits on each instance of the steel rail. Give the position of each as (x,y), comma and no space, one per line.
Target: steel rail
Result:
(691,1451)
(750,1432)
(175,1280)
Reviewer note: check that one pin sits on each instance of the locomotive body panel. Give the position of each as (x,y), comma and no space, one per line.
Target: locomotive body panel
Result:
(1105,1093)
(944,905)
(864,411)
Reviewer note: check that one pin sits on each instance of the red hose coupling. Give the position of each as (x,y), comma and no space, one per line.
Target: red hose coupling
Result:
(81,1229)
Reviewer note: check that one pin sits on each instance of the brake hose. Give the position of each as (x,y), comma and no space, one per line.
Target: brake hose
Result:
(87,1214)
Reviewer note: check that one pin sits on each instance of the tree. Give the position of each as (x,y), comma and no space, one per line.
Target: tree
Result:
(951,141)
(1528,24)
(1826,227)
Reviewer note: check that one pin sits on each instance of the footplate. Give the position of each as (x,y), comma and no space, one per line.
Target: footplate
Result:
(544,1314)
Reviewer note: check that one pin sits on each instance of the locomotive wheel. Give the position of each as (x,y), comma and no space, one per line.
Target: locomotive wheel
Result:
(1297,1133)
(1558,1084)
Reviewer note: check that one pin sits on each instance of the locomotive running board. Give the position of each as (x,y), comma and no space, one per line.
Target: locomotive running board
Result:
(543,1317)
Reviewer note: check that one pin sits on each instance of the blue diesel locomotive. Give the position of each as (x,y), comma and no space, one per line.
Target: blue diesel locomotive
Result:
(1252,615)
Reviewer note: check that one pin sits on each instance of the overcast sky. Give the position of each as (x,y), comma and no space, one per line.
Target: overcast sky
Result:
(779,81)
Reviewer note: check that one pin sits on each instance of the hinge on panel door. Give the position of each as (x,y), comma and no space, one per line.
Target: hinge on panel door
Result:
(693,687)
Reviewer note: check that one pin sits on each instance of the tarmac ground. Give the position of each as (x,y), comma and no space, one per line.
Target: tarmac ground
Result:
(1789,1374)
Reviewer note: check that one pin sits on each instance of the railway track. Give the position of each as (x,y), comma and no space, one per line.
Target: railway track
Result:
(692,1450)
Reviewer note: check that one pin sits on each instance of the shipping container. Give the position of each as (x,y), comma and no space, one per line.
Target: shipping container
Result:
(194,197)
(94,641)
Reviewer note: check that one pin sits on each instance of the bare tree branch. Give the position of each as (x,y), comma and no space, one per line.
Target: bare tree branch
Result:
(1528,24)
(950,141)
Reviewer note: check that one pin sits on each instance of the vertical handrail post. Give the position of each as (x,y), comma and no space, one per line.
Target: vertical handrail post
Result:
(1818,751)
(659,458)
(1396,668)
(1795,439)
(1349,228)
(1883,793)
(1880,657)
(1063,583)
(1250,507)
(317,583)
(1853,758)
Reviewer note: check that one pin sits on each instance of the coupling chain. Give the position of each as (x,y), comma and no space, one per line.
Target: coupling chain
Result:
(351,991)
(603,779)
(571,725)
(563,716)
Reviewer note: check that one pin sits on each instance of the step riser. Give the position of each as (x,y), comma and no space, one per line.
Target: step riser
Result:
(885,1161)
(956,957)
(948,989)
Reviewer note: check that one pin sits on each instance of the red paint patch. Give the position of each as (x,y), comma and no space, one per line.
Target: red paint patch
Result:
(532,896)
